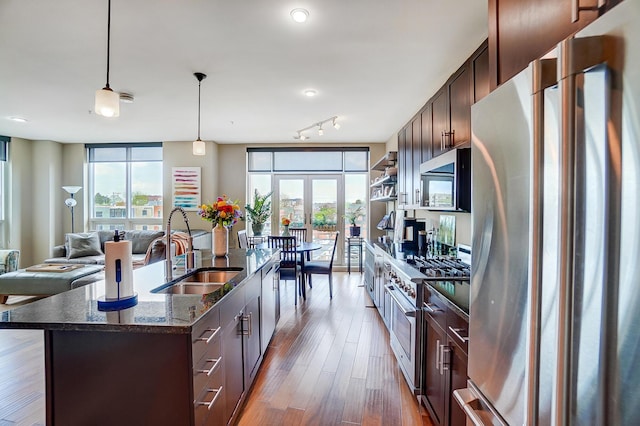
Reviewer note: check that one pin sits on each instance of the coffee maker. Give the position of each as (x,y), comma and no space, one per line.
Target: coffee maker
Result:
(407,231)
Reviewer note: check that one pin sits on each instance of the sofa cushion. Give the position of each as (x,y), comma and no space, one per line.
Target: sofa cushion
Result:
(83,244)
(141,240)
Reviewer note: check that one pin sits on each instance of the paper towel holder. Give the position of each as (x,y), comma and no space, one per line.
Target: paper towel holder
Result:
(117,304)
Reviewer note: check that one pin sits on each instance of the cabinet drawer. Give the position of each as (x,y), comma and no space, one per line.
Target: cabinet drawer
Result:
(211,320)
(207,366)
(458,330)
(435,307)
(209,404)
(203,338)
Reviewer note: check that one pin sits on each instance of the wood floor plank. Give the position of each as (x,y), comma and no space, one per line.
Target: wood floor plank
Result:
(358,382)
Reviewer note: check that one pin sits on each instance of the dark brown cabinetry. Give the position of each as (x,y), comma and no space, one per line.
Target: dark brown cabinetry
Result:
(480,72)
(241,343)
(442,124)
(444,365)
(459,130)
(523,30)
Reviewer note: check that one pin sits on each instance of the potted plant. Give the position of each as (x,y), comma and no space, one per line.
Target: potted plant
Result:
(352,216)
(260,212)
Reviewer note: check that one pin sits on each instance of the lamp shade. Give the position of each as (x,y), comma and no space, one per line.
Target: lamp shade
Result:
(72,189)
(107,103)
(198,147)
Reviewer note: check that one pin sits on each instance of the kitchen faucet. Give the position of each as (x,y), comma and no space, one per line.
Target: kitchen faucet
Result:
(167,252)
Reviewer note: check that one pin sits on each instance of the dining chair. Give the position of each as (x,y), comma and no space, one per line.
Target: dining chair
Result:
(289,267)
(243,241)
(321,267)
(301,235)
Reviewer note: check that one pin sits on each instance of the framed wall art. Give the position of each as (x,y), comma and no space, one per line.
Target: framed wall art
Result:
(186,187)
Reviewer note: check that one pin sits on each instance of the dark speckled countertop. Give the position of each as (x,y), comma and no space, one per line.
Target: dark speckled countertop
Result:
(155,312)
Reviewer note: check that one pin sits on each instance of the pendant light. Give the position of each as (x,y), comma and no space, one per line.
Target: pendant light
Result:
(198,145)
(107,101)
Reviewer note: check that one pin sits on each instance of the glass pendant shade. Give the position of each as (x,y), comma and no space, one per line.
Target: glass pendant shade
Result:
(107,103)
(198,147)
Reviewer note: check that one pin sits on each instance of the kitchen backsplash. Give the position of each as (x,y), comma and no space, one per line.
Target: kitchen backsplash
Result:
(463,223)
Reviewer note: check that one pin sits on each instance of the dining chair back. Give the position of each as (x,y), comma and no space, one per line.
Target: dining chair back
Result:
(289,267)
(299,233)
(243,241)
(323,268)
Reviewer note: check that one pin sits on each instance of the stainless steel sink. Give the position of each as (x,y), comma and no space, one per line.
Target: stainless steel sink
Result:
(192,288)
(218,277)
(202,282)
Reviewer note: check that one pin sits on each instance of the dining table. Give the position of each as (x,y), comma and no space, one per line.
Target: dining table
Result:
(302,248)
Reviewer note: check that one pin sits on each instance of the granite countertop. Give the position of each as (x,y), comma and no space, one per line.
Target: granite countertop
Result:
(77,309)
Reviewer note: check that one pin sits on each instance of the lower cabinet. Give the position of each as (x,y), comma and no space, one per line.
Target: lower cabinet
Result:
(444,367)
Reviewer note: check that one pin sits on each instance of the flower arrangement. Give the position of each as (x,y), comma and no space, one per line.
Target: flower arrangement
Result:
(223,212)
(285,221)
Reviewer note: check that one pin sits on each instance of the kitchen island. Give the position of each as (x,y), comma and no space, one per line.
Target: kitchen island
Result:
(174,359)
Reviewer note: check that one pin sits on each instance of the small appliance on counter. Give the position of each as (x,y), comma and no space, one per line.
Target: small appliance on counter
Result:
(407,231)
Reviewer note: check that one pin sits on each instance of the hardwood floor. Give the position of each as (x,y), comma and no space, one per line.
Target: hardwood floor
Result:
(330,363)
(21,377)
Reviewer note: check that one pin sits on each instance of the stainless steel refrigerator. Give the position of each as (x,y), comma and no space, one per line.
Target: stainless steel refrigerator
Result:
(554,334)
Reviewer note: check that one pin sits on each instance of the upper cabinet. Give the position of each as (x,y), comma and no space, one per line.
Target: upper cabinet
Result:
(523,30)
(442,124)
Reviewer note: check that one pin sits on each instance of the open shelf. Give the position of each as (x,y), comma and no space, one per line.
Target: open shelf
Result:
(389,160)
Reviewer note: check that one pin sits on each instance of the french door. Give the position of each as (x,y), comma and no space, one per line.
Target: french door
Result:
(312,202)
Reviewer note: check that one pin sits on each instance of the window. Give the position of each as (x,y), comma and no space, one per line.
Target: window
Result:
(314,187)
(125,183)
(4,148)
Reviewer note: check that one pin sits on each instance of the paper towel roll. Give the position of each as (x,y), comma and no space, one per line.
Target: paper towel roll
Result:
(114,251)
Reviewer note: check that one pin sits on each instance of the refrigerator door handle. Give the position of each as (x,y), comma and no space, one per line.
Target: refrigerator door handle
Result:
(472,405)
(544,75)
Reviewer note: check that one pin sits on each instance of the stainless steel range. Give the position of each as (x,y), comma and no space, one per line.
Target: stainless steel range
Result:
(405,317)
(403,294)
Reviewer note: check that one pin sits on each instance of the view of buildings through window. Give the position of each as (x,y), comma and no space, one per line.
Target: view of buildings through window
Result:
(125,186)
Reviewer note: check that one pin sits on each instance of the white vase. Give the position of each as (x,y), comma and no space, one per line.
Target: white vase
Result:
(220,241)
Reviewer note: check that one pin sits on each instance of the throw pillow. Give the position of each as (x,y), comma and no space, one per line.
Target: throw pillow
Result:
(84,244)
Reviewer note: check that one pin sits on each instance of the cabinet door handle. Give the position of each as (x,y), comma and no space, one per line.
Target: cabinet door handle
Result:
(432,308)
(456,332)
(442,140)
(576,8)
(213,367)
(443,363)
(208,340)
(437,355)
(213,400)
(248,329)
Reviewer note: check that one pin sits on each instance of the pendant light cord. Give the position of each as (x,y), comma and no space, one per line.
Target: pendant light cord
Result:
(108,40)
(199,83)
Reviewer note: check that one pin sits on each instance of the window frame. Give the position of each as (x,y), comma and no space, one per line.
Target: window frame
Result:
(126,222)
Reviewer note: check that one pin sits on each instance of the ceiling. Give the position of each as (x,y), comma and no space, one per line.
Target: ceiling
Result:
(373,64)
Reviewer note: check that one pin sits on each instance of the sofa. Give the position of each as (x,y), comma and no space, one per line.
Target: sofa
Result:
(87,248)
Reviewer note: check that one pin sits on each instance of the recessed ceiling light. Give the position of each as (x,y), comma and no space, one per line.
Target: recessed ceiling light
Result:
(18,119)
(299,15)
(310,93)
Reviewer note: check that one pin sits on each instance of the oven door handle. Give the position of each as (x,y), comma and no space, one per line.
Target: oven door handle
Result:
(398,302)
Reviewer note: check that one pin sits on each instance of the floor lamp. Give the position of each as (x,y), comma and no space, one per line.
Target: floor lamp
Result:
(71,201)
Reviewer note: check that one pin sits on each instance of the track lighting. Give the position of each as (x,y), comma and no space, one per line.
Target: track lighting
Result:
(319,124)
(198,145)
(107,101)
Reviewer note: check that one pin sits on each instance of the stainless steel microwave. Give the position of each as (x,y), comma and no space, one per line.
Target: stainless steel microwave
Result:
(446,181)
